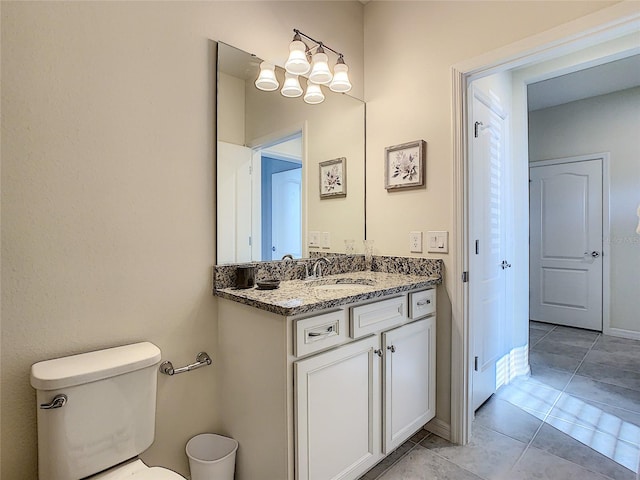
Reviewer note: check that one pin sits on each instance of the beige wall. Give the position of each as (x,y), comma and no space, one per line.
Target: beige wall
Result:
(107,189)
(607,123)
(231,108)
(409,50)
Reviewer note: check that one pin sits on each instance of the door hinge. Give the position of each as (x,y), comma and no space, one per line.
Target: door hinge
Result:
(465,277)
(475,364)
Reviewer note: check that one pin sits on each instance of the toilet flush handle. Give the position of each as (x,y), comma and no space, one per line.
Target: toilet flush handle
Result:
(57,402)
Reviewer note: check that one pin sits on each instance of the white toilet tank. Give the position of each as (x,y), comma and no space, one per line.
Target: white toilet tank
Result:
(108,415)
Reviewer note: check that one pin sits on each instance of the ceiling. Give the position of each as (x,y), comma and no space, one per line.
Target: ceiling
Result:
(599,80)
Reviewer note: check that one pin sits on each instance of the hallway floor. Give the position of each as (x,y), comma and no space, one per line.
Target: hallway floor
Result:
(576,418)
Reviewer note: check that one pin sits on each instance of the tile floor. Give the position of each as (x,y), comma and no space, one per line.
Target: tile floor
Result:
(576,418)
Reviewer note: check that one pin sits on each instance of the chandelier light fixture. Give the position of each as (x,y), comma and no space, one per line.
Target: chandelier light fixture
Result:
(306,59)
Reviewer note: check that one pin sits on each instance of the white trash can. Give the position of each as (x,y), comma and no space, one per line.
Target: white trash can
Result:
(212,457)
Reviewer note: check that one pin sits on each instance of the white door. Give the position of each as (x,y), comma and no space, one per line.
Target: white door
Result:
(566,244)
(409,380)
(487,230)
(286,214)
(234,203)
(337,410)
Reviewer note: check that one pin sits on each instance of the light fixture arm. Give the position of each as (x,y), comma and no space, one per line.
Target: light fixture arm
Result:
(318,44)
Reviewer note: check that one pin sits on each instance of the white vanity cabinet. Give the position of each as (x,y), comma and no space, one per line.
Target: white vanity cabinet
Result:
(408,380)
(338,412)
(325,396)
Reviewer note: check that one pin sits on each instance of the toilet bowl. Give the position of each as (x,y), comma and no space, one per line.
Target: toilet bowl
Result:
(96,414)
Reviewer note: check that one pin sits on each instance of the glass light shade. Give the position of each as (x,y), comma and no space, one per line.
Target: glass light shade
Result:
(314,93)
(320,72)
(267,80)
(340,82)
(297,62)
(291,86)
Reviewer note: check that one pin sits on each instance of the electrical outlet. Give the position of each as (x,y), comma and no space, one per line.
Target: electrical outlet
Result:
(415,242)
(325,240)
(314,239)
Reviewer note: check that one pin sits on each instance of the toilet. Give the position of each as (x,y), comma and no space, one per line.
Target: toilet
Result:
(96,414)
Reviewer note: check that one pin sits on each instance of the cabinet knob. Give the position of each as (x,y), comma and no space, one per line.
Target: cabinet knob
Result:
(392,348)
(378,352)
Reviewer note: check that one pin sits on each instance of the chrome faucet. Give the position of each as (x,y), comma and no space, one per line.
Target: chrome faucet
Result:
(288,255)
(316,271)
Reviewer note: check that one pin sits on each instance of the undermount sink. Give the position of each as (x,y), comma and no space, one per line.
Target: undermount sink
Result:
(341,284)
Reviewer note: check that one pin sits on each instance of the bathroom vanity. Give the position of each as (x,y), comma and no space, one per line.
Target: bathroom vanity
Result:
(323,378)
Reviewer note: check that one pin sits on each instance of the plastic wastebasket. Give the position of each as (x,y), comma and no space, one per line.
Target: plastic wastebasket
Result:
(212,457)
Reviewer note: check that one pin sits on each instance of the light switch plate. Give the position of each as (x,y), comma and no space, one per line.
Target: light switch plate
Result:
(438,242)
(415,242)
(314,239)
(325,240)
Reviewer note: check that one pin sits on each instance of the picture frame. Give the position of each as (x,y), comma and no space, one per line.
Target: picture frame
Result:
(333,178)
(404,165)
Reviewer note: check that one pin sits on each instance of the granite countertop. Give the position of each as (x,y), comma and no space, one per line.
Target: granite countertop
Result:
(294,297)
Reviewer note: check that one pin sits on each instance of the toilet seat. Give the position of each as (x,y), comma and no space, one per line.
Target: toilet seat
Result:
(137,470)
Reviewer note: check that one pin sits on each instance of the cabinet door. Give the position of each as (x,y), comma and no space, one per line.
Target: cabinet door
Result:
(337,408)
(409,380)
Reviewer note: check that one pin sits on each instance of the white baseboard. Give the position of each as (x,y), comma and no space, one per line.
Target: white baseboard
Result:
(622,333)
(440,428)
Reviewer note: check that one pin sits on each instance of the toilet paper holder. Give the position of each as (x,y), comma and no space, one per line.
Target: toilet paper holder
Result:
(202,360)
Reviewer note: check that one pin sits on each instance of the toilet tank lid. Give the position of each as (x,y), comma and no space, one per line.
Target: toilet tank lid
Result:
(92,366)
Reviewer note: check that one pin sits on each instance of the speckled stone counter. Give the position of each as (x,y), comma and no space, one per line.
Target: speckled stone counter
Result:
(224,276)
(298,296)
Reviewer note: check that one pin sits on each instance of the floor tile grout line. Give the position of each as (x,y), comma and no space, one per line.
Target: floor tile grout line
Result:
(415,444)
(454,463)
(546,416)
(597,380)
(598,336)
(542,337)
(542,422)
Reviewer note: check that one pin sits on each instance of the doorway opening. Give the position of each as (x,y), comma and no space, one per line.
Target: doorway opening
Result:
(605,31)
(278,209)
(281,208)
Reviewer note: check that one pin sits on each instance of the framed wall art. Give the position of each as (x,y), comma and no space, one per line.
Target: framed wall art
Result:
(404,165)
(333,178)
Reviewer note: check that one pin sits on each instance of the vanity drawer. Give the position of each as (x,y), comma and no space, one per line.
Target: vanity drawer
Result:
(320,332)
(422,303)
(373,317)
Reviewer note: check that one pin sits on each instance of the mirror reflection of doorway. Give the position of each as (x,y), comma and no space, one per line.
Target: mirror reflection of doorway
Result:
(281,210)
(280,197)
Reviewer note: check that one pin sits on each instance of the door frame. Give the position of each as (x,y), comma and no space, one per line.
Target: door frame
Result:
(606,24)
(606,228)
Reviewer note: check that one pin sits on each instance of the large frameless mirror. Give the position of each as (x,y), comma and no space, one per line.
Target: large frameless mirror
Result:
(276,166)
